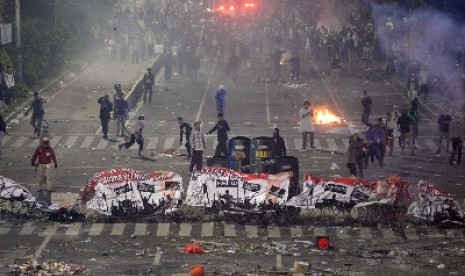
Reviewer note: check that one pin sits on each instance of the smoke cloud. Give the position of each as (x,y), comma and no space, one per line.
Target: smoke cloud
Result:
(427,37)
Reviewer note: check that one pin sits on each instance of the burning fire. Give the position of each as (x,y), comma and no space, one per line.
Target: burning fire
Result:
(324,116)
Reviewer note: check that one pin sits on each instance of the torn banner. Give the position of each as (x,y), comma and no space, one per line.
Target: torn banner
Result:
(13,191)
(251,190)
(337,191)
(127,191)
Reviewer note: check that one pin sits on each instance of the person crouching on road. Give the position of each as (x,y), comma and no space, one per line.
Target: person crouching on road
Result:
(45,155)
(198,146)
(136,136)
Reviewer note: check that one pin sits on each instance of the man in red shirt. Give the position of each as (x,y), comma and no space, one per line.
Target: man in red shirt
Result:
(45,155)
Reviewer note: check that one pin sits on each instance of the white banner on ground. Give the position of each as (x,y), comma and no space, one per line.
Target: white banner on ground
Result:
(11,190)
(211,184)
(319,192)
(127,191)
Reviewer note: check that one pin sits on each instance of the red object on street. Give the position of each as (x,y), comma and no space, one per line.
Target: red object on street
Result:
(322,242)
(193,249)
(197,270)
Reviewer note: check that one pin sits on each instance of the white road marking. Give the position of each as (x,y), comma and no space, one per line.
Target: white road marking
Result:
(118,229)
(296,232)
(74,229)
(140,229)
(346,143)
(27,229)
(18,143)
(273,232)
(46,241)
(70,141)
(207,229)
(279,261)
(157,258)
(388,233)
(185,229)
(229,230)
(86,143)
(204,97)
(54,141)
(411,234)
(102,144)
(34,143)
(365,233)
(153,141)
(163,229)
(318,231)
(4,230)
(169,142)
(251,231)
(96,229)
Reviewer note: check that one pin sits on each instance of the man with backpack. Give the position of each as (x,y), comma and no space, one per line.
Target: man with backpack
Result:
(106,107)
(120,114)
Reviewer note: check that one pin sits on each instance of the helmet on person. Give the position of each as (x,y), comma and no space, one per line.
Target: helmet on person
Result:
(141,117)
(117,86)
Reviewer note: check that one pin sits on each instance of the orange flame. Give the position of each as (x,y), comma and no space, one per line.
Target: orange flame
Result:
(324,116)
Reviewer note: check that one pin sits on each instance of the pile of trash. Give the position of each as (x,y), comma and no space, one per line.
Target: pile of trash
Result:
(32,267)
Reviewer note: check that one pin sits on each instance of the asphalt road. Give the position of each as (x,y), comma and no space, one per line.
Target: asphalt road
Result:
(253,108)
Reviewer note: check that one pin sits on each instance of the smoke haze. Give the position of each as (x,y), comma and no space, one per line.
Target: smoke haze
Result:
(428,38)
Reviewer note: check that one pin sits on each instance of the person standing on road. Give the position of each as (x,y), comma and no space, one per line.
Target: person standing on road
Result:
(295,68)
(412,86)
(9,82)
(415,119)
(391,132)
(38,112)
(120,114)
(443,127)
(185,130)
(2,131)
(221,128)
(45,155)
(378,140)
(106,107)
(351,155)
(136,136)
(404,125)
(220,98)
(367,107)
(148,83)
(306,125)
(168,61)
(456,132)
(423,75)
(198,146)
(119,93)
(278,145)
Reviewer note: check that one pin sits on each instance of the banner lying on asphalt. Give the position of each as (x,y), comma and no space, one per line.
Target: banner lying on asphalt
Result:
(337,191)
(434,205)
(127,191)
(250,191)
(13,191)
